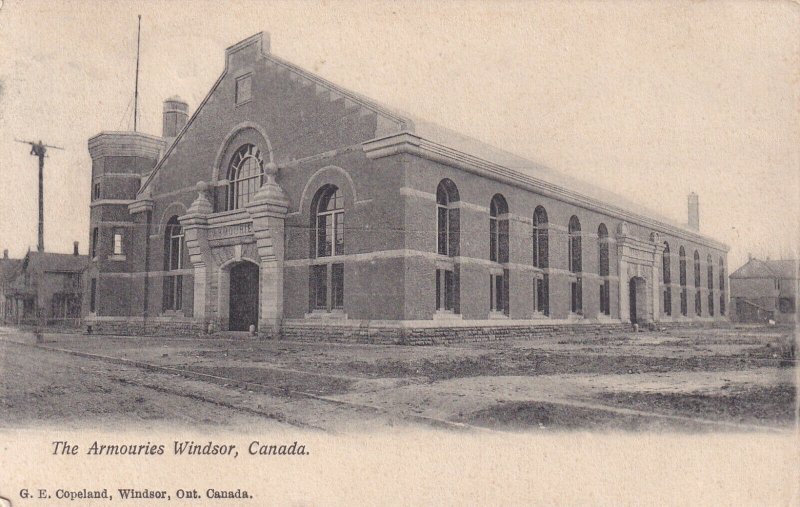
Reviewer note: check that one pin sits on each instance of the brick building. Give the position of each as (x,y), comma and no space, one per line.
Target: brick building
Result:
(45,289)
(291,204)
(763,290)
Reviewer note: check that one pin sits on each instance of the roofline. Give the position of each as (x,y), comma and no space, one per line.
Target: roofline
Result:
(407,142)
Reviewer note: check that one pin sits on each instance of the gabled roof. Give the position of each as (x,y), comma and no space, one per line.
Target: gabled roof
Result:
(56,261)
(393,122)
(757,268)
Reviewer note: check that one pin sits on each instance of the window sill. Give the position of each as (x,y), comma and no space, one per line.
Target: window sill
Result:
(172,313)
(325,314)
(494,314)
(539,316)
(446,315)
(117,258)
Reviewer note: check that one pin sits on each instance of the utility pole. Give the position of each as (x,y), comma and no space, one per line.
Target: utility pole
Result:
(40,150)
(136,88)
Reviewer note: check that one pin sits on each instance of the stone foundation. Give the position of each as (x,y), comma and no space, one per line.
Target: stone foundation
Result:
(467,334)
(382,334)
(142,327)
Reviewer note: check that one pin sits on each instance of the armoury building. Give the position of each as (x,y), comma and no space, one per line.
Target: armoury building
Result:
(309,212)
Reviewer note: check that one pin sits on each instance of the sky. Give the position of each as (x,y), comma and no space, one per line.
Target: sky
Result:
(651,100)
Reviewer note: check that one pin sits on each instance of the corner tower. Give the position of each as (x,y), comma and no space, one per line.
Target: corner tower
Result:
(120,160)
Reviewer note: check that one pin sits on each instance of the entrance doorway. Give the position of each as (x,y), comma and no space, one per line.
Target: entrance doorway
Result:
(243,297)
(638,300)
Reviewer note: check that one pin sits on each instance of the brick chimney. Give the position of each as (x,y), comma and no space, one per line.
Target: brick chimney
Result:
(74,248)
(694,211)
(176,114)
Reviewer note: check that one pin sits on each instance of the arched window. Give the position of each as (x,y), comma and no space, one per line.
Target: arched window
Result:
(697,302)
(541,281)
(447,243)
(498,252)
(498,229)
(173,262)
(603,268)
(575,260)
(329,221)
(447,218)
(710,283)
(575,264)
(684,294)
(245,176)
(326,281)
(721,286)
(666,279)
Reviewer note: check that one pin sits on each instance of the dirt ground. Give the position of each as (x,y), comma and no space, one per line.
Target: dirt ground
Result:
(732,379)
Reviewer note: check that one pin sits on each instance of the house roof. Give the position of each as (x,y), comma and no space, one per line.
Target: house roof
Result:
(56,261)
(757,268)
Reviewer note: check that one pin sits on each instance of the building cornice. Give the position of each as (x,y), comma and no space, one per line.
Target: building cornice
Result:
(409,143)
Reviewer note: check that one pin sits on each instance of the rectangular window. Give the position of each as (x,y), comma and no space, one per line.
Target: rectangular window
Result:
(96,192)
(711,303)
(605,298)
(576,294)
(541,295)
(697,304)
(667,301)
(93,295)
(319,287)
(446,290)
(173,293)
(243,88)
(499,292)
(118,235)
(684,303)
(337,286)
(722,304)
(95,237)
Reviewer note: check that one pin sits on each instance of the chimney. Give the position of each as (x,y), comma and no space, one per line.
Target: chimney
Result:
(5,253)
(175,116)
(74,248)
(694,212)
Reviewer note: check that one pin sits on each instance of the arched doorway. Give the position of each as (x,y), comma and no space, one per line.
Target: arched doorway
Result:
(243,310)
(637,289)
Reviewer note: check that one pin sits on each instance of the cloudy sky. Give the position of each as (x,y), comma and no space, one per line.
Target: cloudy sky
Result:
(649,99)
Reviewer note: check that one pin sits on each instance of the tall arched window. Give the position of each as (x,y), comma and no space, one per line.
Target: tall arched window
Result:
(603,268)
(721,286)
(245,176)
(710,283)
(326,280)
(575,264)
(447,243)
(697,301)
(498,252)
(447,218)
(666,279)
(329,221)
(684,294)
(541,281)
(498,229)
(173,262)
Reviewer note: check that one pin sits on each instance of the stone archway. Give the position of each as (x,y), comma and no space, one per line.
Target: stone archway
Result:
(637,289)
(243,296)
